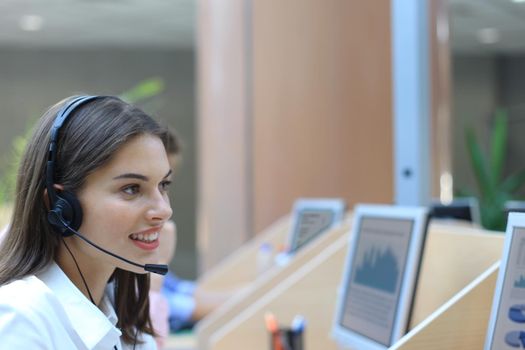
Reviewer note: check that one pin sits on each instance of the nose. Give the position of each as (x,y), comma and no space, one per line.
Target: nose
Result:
(160,208)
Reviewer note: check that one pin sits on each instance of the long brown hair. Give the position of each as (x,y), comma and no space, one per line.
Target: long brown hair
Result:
(91,136)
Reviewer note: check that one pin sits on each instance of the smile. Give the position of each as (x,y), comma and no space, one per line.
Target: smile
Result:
(145,241)
(145,237)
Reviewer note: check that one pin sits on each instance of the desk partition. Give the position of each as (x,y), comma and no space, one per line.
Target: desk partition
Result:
(240,268)
(457,282)
(266,283)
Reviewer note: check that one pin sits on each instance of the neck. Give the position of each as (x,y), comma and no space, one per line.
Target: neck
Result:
(95,275)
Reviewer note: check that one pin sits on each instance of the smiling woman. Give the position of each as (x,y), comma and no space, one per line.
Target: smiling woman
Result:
(95,173)
(126,202)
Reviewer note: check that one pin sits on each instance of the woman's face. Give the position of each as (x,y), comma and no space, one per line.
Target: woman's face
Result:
(125,204)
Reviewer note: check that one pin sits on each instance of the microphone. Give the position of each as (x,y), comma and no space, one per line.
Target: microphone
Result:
(159,269)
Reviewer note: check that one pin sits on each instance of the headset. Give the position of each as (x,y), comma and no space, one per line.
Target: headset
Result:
(65,213)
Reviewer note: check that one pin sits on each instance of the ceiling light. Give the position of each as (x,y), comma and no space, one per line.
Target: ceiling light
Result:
(488,35)
(31,23)
(518,1)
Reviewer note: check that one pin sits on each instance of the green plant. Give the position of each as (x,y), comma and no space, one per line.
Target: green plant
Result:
(144,92)
(11,161)
(494,190)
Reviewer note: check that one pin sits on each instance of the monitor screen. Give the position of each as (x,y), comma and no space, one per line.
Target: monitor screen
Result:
(380,276)
(313,217)
(311,222)
(372,293)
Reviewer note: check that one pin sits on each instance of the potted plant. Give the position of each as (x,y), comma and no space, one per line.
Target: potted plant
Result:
(494,190)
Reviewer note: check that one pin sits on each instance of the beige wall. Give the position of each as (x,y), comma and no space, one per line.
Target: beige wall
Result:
(322,118)
(294,100)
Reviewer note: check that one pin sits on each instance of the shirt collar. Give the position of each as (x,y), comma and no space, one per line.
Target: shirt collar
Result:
(93,325)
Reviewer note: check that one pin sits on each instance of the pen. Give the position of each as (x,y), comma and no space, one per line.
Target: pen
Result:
(298,324)
(273,328)
(284,341)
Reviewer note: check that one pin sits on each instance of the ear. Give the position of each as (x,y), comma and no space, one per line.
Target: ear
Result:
(46,197)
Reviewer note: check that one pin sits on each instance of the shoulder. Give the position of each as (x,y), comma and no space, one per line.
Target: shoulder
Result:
(144,342)
(28,296)
(23,293)
(26,308)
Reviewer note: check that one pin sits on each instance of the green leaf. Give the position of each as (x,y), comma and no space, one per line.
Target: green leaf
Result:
(479,166)
(144,90)
(513,182)
(498,145)
(494,190)
(493,212)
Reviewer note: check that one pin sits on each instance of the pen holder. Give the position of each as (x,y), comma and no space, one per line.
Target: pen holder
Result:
(286,339)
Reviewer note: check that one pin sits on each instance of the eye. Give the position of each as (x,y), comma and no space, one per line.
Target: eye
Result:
(131,189)
(165,185)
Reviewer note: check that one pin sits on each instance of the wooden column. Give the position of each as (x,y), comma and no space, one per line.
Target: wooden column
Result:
(224,210)
(294,101)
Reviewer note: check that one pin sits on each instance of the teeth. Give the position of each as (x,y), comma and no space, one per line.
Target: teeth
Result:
(150,237)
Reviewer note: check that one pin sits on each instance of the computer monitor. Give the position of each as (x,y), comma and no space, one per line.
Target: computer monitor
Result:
(466,208)
(311,217)
(380,276)
(507,320)
(515,206)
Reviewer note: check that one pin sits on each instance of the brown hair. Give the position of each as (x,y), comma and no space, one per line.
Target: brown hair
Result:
(172,143)
(88,140)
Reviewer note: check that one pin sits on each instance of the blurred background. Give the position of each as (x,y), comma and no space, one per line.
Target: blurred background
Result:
(53,49)
(488,73)
(274,100)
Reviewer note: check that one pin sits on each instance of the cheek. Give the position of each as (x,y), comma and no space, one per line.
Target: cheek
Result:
(112,215)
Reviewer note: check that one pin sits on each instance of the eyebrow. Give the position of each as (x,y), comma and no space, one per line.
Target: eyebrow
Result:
(137,176)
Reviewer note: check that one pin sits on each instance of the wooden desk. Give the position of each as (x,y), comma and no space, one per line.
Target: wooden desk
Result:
(240,267)
(454,257)
(267,282)
(185,341)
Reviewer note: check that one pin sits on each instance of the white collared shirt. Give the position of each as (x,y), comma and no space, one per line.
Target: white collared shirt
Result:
(47,311)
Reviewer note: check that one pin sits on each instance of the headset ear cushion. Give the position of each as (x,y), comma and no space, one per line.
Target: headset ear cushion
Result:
(71,211)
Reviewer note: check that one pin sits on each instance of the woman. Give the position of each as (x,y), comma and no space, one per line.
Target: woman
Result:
(105,178)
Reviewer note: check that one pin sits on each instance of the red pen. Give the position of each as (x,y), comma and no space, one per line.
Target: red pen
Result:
(273,328)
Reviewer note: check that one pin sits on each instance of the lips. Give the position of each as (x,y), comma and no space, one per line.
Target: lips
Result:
(148,239)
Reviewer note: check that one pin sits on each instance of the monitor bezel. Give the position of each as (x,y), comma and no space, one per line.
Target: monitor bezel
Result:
(514,220)
(470,203)
(419,216)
